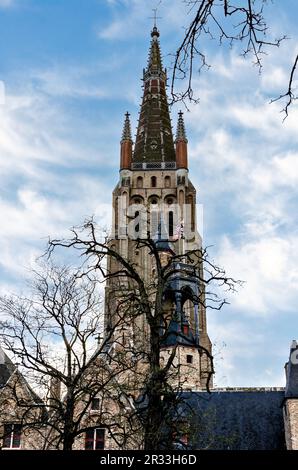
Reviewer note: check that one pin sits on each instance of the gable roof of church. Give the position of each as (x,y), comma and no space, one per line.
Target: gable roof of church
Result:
(7,368)
(9,373)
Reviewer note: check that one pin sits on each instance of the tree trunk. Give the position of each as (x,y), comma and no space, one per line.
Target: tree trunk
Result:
(68,441)
(155,386)
(68,435)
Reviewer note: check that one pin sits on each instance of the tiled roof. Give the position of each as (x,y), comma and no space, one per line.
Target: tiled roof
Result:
(237,420)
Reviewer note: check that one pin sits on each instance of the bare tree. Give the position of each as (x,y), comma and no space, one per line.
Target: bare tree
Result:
(141,389)
(51,335)
(229,22)
(158,402)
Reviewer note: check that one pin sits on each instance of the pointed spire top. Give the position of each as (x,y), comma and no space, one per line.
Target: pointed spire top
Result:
(154,139)
(181,134)
(154,61)
(126,134)
(155,32)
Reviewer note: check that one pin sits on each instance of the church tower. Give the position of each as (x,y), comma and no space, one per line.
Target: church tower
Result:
(154,180)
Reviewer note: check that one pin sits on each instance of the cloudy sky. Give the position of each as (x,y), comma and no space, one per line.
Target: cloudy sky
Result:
(69,70)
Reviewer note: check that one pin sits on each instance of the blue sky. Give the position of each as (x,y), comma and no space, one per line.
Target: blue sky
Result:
(71,70)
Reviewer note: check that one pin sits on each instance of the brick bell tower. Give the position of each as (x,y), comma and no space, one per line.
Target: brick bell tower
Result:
(154,179)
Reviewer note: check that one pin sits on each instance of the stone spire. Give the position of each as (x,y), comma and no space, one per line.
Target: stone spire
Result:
(181,143)
(126,134)
(154,140)
(154,66)
(181,134)
(126,145)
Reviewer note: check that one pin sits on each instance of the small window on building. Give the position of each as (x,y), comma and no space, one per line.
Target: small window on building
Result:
(171,223)
(137,227)
(139,182)
(95,404)
(95,439)
(181,180)
(167,181)
(189,359)
(12,436)
(153,181)
(185,329)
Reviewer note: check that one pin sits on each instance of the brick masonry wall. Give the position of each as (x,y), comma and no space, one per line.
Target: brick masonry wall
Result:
(291,423)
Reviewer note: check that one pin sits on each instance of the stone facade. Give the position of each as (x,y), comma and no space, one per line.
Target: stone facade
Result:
(291,399)
(17,398)
(291,423)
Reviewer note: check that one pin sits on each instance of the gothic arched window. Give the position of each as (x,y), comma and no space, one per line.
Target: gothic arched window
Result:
(137,227)
(167,182)
(153,181)
(190,202)
(171,223)
(139,182)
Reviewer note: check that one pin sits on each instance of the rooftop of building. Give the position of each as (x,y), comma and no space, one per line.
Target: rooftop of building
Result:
(237,419)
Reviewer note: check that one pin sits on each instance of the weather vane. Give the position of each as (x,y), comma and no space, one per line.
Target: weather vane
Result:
(155,17)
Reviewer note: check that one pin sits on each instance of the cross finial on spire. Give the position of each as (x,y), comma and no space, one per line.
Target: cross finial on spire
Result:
(155,17)
(155,33)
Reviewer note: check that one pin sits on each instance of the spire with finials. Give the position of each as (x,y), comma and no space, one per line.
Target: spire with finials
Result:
(126,134)
(126,145)
(154,140)
(181,134)
(181,143)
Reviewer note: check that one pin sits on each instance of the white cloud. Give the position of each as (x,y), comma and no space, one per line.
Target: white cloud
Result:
(7,3)
(269,267)
(46,182)
(132,16)
(68,81)
(245,359)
